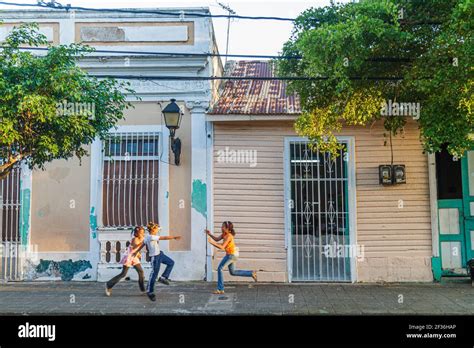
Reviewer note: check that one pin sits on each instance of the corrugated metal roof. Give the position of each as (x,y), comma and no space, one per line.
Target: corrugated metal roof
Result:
(250,97)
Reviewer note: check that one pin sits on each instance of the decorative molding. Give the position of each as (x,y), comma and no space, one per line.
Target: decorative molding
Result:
(48,29)
(161,90)
(146,86)
(197,106)
(119,33)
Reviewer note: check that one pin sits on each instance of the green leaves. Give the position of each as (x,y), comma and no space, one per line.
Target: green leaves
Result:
(426,43)
(34,125)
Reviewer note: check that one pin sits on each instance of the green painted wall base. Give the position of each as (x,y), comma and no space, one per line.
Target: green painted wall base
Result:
(436,268)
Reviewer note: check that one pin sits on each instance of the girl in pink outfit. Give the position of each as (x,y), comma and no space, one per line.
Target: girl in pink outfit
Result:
(131,258)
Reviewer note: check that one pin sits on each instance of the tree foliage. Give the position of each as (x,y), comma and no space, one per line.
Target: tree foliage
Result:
(418,51)
(33,88)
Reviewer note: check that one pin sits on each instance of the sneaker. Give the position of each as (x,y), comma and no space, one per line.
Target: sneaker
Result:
(164,281)
(254,276)
(218,292)
(151,296)
(108,291)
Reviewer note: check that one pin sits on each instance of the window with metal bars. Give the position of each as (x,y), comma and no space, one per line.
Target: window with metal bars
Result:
(10,206)
(10,242)
(130,179)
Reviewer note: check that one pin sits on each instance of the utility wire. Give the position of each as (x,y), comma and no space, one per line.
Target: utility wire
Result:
(181,14)
(240,78)
(229,11)
(181,54)
(170,54)
(57,6)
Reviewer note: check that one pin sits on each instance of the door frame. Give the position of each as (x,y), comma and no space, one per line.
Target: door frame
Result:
(351,187)
(465,223)
(452,204)
(467,200)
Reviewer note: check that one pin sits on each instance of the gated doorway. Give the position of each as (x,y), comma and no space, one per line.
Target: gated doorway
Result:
(455,189)
(317,213)
(10,208)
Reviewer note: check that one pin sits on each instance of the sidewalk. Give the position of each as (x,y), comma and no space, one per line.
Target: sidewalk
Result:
(453,297)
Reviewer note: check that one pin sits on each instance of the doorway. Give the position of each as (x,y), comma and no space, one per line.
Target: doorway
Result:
(317,213)
(455,189)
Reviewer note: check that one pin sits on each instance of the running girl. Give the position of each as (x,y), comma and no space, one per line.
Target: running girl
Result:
(131,258)
(157,258)
(228,245)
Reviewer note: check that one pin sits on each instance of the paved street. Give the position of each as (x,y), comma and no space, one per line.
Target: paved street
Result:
(453,297)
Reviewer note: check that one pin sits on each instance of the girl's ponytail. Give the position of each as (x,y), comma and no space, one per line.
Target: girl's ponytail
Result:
(230,226)
(151,225)
(136,230)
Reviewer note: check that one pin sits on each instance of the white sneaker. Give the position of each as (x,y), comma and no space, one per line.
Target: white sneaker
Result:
(108,291)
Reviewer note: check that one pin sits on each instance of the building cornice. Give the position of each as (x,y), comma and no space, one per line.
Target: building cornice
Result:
(42,14)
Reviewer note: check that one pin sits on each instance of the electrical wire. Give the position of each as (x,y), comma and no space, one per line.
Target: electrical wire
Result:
(182,54)
(235,78)
(180,14)
(166,54)
(207,78)
(240,78)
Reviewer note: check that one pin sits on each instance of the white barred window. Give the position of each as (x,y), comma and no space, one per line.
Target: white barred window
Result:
(130,179)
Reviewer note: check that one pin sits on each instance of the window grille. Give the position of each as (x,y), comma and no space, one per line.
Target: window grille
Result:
(10,207)
(130,179)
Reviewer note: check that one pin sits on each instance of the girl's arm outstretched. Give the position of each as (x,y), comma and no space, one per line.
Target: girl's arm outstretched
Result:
(216,239)
(170,237)
(219,246)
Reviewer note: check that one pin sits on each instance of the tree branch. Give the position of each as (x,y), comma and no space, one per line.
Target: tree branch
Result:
(7,167)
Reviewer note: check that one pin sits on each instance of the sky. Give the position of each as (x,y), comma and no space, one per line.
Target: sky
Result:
(246,36)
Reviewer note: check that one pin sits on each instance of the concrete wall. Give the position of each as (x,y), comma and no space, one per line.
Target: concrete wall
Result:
(179,193)
(176,190)
(67,238)
(60,206)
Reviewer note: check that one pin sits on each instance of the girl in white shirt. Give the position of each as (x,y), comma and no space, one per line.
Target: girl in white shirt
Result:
(157,258)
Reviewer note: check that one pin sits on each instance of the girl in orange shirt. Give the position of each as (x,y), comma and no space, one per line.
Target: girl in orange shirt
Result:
(228,245)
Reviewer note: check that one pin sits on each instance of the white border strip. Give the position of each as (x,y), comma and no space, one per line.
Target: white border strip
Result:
(231,117)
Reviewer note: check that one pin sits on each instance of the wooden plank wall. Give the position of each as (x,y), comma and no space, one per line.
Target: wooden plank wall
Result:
(393,223)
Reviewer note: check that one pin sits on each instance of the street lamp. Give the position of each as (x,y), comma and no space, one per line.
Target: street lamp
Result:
(172,114)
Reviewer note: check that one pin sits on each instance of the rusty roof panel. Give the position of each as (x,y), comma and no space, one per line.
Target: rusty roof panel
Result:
(251,97)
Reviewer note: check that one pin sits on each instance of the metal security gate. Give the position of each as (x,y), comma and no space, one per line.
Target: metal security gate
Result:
(10,247)
(318,214)
(130,179)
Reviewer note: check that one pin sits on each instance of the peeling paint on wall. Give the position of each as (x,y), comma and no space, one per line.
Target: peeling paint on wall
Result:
(93,222)
(65,269)
(58,174)
(109,34)
(44,211)
(199,197)
(25,198)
